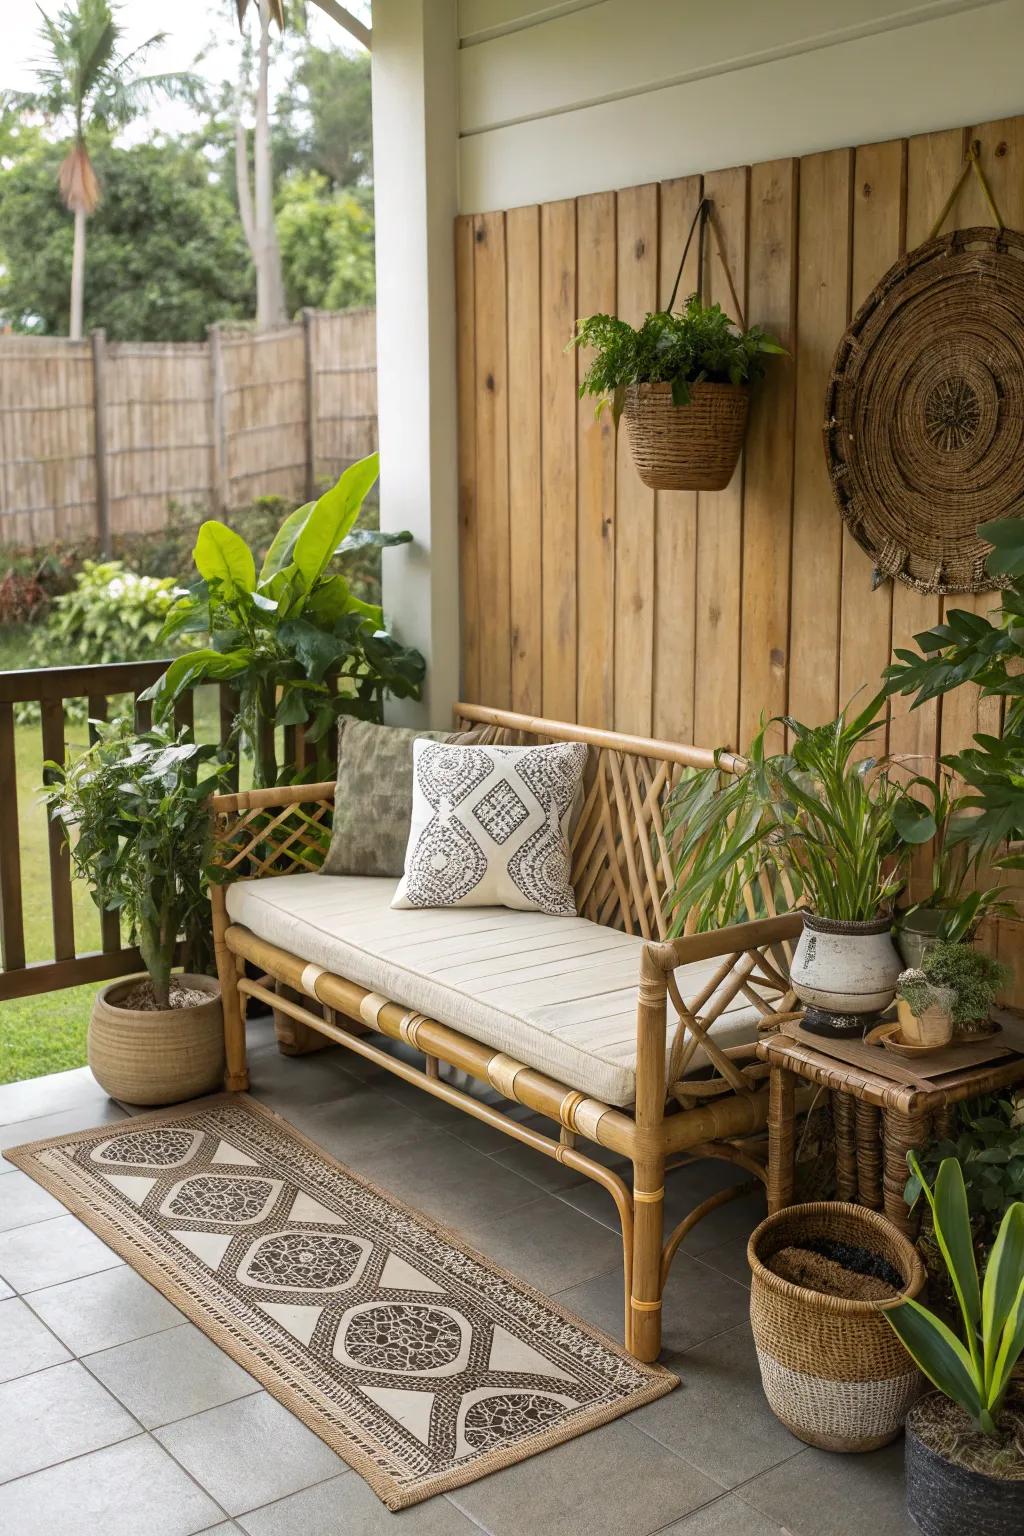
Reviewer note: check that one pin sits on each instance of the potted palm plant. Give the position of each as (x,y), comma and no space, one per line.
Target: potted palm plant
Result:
(133,809)
(965,1441)
(683,383)
(832,830)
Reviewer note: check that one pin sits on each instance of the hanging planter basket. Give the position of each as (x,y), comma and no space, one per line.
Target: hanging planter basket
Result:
(692,447)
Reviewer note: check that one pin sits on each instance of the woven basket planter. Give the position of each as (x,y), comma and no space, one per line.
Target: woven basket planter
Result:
(692,447)
(832,1369)
(161,1055)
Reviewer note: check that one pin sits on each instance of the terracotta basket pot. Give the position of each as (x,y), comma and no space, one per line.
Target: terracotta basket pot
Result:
(934,1026)
(833,1370)
(692,447)
(157,1056)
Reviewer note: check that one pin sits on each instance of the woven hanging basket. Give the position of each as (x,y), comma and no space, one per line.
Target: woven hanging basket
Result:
(833,1370)
(924,412)
(692,447)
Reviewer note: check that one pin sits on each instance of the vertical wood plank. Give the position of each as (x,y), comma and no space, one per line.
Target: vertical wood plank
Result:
(110,924)
(310,407)
(879,228)
(637,250)
(675,512)
(768,482)
(522,236)
(822,310)
(558,458)
(218,434)
(99,413)
(61,907)
(12,922)
(595,484)
(720,513)
(469,594)
(492,550)
(933,161)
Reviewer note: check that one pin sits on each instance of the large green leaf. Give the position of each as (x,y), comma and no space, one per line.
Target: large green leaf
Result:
(1003,1277)
(372,538)
(939,1353)
(1010,1349)
(331,519)
(222,555)
(281,550)
(195,667)
(952,1222)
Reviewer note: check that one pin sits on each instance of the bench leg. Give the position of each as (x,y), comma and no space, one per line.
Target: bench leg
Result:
(648,1220)
(236,1077)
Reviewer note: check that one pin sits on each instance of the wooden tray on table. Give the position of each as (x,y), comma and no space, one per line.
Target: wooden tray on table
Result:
(922,1072)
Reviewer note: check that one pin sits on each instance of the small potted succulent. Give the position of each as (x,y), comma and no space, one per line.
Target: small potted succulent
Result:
(925,1010)
(133,809)
(974,978)
(965,1441)
(683,383)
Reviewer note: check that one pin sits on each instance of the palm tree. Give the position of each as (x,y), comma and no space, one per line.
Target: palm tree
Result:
(256,202)
(86,77)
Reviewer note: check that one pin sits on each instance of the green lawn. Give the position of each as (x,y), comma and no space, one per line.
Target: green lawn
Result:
(47,1033)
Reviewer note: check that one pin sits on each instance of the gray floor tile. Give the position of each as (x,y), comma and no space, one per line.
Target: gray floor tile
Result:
(288,1081)
(170,1375)
(684,1189)
(250,1452)
(25,1343)
(729,1259)
(77,1090)
(101,1310)
(5,1290)
(607,1482)
(729,1516)
(818,1494)
(346,1506)
(446,1179)
(59,1124)
(719,1419)
(698,1304)
(56,1414)
(356,1128)
(546,1243)
(23,1201)
(544,1171)
(52,1251)
(121,1491)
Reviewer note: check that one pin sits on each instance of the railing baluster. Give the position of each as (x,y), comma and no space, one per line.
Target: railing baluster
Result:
(12,921)
(227,699)
(110,923)
(60,861)
(143,714)
(184,711)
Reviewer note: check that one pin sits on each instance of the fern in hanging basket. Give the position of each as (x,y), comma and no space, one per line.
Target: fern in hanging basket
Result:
(682,381)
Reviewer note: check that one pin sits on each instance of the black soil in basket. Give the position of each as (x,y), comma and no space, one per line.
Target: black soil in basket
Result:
(837,1269)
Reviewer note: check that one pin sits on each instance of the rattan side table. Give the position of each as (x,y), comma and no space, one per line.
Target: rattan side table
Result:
(876,1120)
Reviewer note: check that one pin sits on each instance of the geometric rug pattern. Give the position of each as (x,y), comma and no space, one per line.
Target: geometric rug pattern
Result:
(420,1362)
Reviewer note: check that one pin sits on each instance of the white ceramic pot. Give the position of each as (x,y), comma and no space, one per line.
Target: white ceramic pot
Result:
(845,967)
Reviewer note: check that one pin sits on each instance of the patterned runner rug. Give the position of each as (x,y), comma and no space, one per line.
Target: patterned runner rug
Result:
(421,1363)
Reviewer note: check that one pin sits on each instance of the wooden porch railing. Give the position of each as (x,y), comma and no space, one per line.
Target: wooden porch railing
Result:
(50,687)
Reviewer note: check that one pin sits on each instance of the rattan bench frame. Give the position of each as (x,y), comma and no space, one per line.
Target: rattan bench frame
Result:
(621,871)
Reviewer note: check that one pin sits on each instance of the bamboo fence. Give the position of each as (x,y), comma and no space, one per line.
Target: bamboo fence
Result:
(98,437)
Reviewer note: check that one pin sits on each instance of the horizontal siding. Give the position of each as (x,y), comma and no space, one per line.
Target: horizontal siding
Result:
(563,137)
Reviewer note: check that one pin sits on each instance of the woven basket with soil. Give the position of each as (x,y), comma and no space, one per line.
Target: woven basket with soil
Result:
(691,447)
(146,1055)
(832,1369)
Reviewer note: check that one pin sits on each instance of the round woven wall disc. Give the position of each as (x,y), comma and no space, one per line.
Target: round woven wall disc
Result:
(924,413)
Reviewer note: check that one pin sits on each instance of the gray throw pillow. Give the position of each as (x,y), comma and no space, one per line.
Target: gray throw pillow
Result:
(373,798)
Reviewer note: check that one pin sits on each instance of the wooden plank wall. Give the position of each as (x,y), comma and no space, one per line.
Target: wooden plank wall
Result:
(586,596)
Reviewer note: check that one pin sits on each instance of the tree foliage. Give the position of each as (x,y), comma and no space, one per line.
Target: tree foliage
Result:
(167,255)
(326,245)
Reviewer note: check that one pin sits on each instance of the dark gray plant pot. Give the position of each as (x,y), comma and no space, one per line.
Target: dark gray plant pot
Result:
(917,933)
(946,1500)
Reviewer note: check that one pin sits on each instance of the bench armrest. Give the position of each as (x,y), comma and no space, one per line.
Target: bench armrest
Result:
(262,832)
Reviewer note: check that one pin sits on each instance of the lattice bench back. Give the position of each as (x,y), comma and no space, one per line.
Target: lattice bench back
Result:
(622,865)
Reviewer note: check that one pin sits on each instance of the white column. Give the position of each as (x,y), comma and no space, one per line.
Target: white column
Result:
(415,189)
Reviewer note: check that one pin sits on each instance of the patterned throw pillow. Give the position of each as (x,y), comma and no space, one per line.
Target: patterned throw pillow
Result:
(490,827)
(373,799)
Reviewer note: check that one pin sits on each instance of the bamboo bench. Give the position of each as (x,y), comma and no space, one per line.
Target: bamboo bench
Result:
(688,1096)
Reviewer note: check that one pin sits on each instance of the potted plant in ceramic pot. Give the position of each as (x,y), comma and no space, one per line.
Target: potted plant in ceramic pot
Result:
(834,829)
(965,1441)
(683,383)
(133,808)
(924,1009)
(974,980)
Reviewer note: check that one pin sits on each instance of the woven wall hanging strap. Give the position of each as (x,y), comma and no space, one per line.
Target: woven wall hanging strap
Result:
(704,216)
(924,409)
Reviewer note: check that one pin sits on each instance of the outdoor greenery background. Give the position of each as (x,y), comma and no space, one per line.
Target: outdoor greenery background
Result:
(166,258)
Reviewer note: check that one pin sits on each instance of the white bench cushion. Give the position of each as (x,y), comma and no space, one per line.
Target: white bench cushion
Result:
(557,993)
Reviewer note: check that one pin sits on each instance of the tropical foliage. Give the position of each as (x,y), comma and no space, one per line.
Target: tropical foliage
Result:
(988,1143)
(294,641)
(327,245)
(989,653)
(817,822)
(699,343)
(134,813)
(956,874)
(973,1370)
(974,978)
